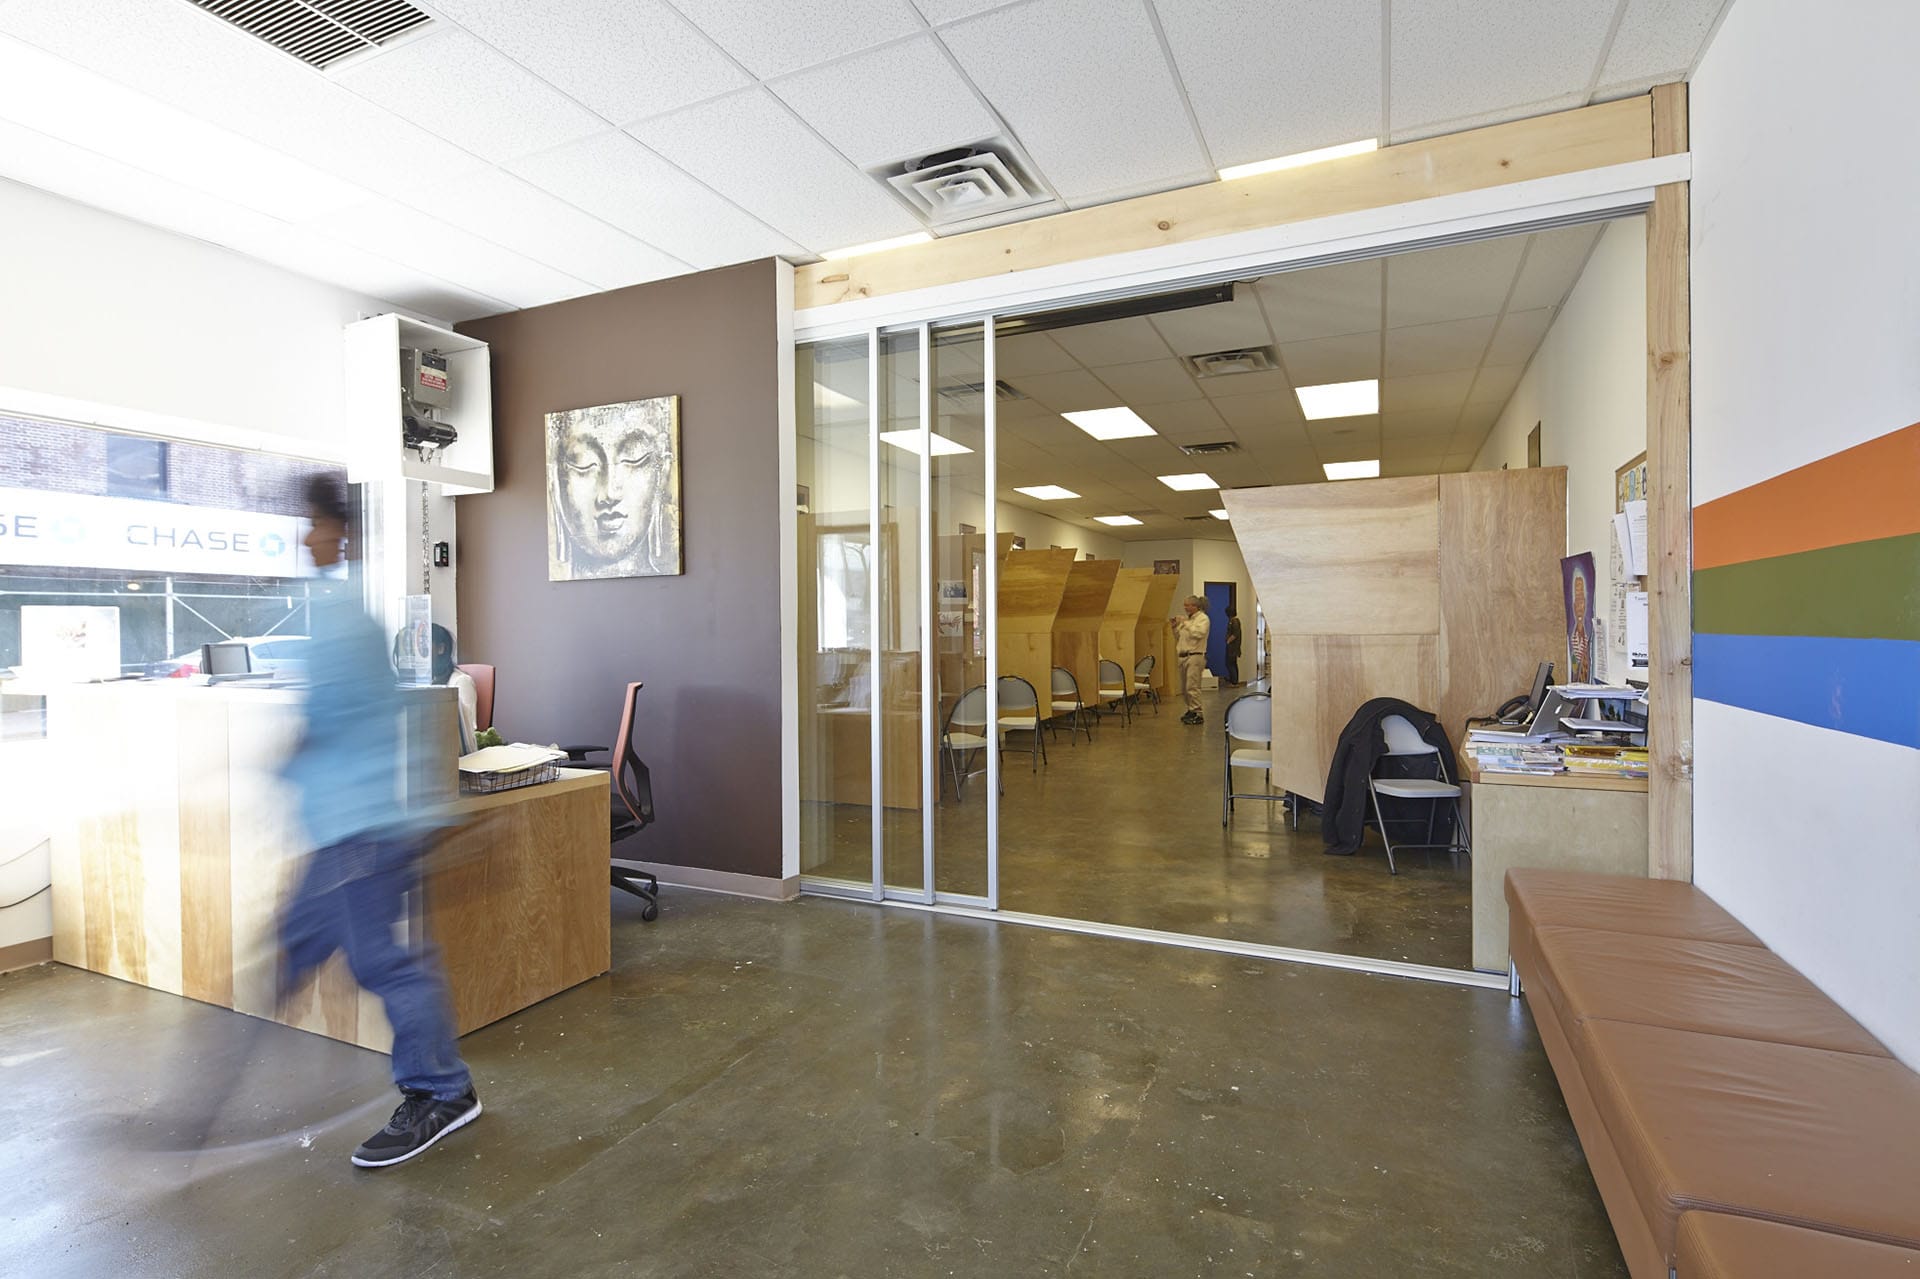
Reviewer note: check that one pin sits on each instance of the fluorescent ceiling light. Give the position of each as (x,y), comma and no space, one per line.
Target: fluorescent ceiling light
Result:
(1352,470)
(1118,521)
(1299,158)
(1110,424)
(1339,399)
(1048,492)
(910,441)
(877,246)
(1191,482)
(1218,512)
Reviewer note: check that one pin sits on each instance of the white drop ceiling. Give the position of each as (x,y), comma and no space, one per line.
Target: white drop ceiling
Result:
(518,152)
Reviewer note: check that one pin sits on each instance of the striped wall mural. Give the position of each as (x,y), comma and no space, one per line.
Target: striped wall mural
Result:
(1806,593)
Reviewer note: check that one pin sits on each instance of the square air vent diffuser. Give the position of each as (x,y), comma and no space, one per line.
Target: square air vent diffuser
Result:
(967,186)
(1257,359)
(319,32)
(1210,450)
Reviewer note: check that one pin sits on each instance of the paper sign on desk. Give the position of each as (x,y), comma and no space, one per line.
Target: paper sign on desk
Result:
(1636,517)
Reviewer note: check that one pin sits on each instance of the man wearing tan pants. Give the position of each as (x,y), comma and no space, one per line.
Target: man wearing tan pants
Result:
(1190,652)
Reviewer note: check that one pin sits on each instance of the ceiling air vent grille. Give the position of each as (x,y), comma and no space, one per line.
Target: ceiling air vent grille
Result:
(319,32)
(1211,450)
(966,186)
(1257,359)
(962,390)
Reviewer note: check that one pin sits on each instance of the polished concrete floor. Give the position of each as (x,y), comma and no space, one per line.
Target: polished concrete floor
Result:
(1126,830)
(817,1090)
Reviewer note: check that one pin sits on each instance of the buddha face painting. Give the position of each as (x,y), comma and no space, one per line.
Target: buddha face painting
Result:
(613,491)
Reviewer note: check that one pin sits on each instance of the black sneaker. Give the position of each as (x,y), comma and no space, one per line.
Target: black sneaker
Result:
(420,1121)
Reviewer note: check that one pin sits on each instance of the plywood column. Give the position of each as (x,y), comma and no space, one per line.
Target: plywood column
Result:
(1121,625)
(1153,637)
(1032,584)
(1076,628)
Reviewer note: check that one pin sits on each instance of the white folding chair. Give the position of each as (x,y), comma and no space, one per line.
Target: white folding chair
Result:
(1250,720)
(1113,692)
(1143,682)
(964,734)
(1067,704)
(1020,713)
(1404,741)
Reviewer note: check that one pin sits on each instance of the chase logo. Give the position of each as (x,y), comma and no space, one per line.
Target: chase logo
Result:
(273,544)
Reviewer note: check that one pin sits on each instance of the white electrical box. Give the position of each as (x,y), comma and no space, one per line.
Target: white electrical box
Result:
(409,381)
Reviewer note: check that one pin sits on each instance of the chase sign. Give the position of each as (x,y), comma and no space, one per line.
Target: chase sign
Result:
(73,530)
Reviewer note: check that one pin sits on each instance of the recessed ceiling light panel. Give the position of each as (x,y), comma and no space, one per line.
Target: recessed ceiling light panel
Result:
(910,441)
(1192,482)
(1048,492)
(1299,158)
(1110,424)
(1352,470)
(1118,521)
(1218,512)
(877,246)
(1339,399)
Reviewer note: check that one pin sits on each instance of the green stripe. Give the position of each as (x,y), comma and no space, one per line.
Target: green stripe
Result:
(1866,590)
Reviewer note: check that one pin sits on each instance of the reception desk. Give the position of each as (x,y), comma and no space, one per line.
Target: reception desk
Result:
(175,845)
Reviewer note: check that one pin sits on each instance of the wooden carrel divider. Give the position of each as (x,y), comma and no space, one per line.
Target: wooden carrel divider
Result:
(1076,628)
(1032,584)
(1121,626)
(1154,638)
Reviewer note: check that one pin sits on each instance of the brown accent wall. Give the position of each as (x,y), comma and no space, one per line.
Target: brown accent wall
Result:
(707,643)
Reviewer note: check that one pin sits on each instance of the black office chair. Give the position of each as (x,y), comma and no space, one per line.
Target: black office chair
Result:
(632,809)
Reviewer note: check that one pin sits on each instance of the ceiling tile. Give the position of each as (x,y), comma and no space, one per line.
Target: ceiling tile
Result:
(452,254)
(165,50)
(1066,392)
(1658,40)
(1112,342)
(1430,392)
(1554,262)
(938,11)
(772,39)
(1451,283)
(1224,326)
(1438,348)
(458,86)
(1149,382)
(1494,385)
(1519,335)
(621,182)
(1234,385)
(894,103)
(1431,427)
(1085,86)
(1322,301)
(750,149)
(1342,359)
(1451,61)
(1274,77)
(513,214)
(625,59)
(1186,421)
(1263,416)
(1024,353)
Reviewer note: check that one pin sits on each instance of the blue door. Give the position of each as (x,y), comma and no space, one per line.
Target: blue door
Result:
(1219,600)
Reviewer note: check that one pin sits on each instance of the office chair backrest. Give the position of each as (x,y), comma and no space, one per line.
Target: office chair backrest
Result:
(1250,718)
(631,781)
(1111,674)
(1064,684)
(482,677)
(970,712)
(1017,695)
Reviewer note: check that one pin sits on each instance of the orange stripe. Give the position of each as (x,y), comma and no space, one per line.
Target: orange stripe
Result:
(1857,495)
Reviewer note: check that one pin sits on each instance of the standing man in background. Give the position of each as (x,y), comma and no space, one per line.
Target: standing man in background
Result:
(1190,651)
(1233,647)
(368,848)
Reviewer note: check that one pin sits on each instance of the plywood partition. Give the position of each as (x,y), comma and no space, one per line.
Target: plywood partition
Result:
(1032,584)
(1499,595)
(1076,628)
(1121,625)
(1154,638)
(1439,590)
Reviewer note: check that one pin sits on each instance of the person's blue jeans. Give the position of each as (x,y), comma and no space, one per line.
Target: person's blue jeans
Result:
(350,898)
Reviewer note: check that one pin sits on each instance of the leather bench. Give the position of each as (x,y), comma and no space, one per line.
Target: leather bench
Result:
(1703,1072)
(1715,1246)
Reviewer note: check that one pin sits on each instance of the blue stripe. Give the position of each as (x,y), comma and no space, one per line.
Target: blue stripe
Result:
(1866,687)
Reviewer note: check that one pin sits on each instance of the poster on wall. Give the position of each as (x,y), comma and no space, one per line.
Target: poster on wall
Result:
(613,491)
(69,643)
(1577,575)
(1169,567)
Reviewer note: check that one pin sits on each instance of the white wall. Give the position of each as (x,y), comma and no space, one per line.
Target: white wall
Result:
(1202,561)
(107,321)
(1806,341)
(1587,388)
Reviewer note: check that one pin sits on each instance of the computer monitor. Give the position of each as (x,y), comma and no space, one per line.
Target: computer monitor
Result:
(1541,677)
(230,658)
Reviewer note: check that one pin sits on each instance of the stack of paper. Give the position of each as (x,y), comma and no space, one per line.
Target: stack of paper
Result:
(1595,759)
(516,758)
(1498,752)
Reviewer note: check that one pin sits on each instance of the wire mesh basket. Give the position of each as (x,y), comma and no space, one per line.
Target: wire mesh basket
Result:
(492,783)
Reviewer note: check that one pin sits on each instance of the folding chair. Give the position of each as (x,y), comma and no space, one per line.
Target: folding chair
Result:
(1067,703)
(964,734)
(1143,682)
(1020,713)
(1403,741)
(1249,719)
(1114,695)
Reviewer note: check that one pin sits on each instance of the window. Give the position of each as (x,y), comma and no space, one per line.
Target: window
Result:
(136,467)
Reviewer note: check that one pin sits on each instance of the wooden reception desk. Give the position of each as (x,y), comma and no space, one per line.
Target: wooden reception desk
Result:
(175,846)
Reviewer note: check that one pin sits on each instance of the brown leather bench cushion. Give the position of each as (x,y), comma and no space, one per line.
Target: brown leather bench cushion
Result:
(1716,1246)
(1621,904)
(1744,991)
(1803,1136)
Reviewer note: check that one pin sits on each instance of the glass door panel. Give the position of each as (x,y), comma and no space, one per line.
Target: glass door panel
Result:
(903,610)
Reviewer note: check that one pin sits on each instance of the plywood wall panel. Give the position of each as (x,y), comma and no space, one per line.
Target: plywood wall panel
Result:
(1154,638)
(1032,584)
(1122,622)
(1502,534)
(1319,681)
(1076,628)
(1360,557)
